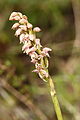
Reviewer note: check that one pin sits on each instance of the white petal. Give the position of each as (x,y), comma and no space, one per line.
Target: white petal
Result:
(36,29)
(18,32)
(22,38)
(16,25)
(29,25)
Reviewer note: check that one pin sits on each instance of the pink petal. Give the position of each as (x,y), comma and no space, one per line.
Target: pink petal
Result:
(47,49)
(35,71)
(13,14)
(33,49)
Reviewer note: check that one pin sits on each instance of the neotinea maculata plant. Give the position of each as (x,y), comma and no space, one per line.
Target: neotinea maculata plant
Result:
(33,48)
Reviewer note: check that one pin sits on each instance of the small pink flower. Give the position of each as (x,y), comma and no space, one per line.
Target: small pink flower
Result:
(26,46)
(22,36)
(15,26)
(31,37)
(26,38)
(24,17)
(37,41)
(34,57)
(29,25)
(44,73)
(30,50)
(36,29)
(46,49)
(23,21)
(15,16)
(45,52)
(18,32)
(23,27)
(38,68)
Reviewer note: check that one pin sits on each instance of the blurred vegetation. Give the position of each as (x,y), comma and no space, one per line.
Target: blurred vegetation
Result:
(24,96)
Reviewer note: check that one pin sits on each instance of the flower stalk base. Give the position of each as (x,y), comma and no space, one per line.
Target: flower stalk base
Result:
(55,99)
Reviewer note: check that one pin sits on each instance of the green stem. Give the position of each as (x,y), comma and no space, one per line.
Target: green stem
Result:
(54,99)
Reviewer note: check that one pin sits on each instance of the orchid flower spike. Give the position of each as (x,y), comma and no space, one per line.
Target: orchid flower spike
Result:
(31,44)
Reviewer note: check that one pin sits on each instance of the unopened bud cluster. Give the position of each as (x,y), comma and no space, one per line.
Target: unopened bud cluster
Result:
(31,44)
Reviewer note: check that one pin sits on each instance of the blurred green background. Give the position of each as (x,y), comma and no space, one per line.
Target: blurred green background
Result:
(23,95)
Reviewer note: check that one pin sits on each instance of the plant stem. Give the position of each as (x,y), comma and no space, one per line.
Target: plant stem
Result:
(54,99)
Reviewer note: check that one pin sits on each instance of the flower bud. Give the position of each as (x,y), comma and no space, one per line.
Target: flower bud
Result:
(22,38)
(23,27)
(15,26)
(18,32)
(46,49)
(13,14)
(23,21)
(25,17)
(29,25)
(34,57)
(36,29)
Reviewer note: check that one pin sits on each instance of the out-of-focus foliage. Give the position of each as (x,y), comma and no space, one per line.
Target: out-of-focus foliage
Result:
(24,96)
